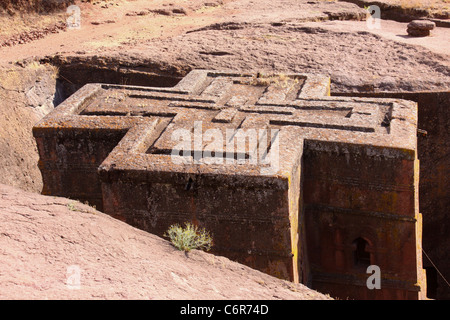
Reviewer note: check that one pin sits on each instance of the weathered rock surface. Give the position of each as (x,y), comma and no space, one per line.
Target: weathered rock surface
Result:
(26,94)
(420,28)
(45,241)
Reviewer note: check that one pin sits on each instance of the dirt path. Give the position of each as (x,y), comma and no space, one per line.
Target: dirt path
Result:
(115,26)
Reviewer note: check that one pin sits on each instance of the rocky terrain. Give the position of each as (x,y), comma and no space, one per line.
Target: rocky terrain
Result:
(403,10)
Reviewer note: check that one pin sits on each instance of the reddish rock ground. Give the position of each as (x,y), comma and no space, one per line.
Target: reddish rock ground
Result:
(45,241)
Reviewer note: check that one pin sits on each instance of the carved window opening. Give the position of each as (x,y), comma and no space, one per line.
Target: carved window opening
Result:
(360,253)
(432,282)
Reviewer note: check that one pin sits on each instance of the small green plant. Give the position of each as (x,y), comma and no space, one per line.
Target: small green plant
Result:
(71,206)
(190,237)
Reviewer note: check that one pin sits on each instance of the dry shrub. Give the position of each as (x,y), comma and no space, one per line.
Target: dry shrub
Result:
(190,237)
